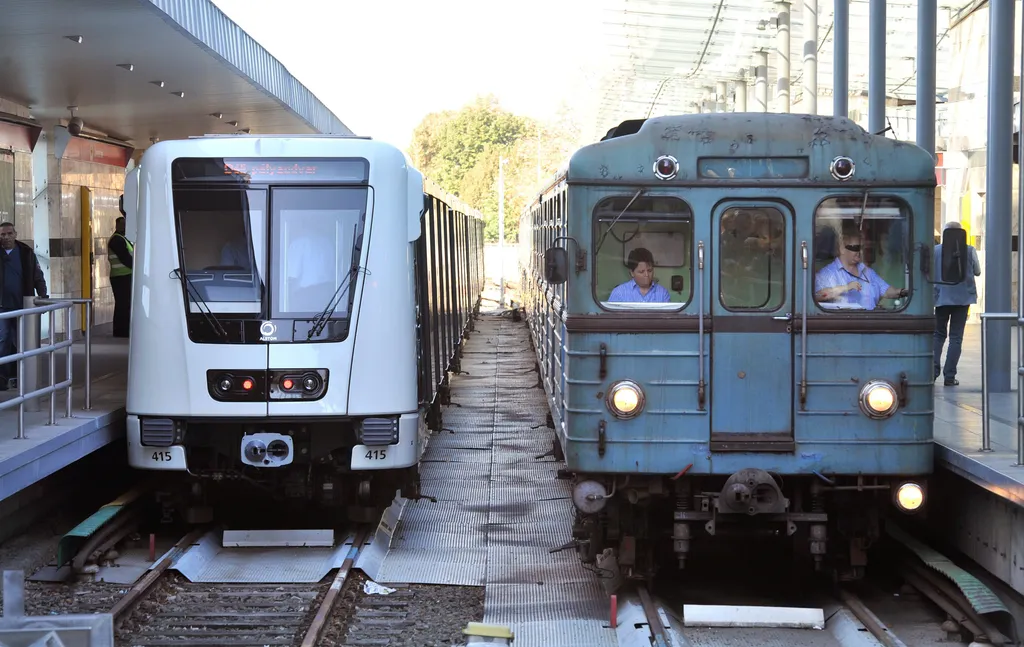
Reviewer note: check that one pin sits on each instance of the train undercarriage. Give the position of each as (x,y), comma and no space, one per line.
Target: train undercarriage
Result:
(631,525)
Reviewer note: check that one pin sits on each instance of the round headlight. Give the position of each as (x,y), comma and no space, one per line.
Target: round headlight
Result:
(878,399)
(625,399)
(910,496)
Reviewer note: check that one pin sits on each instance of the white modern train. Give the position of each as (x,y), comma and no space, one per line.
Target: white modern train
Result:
(298,303)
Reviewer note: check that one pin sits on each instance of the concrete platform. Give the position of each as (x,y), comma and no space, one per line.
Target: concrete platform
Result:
(958,425)
(46,448)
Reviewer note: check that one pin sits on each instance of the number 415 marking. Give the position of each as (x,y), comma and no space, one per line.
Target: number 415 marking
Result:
(376,454)
(161,457)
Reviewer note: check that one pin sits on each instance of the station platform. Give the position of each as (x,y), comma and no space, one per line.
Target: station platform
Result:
(47,449)
(958,426)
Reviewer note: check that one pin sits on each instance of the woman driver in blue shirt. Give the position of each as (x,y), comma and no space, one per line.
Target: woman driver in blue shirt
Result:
(641,287)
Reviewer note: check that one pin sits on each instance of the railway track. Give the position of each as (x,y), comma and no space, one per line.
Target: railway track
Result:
(226,615)
(937,604)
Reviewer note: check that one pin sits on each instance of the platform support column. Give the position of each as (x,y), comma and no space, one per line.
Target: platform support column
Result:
(783,53)
(810,80)
(876,66)
(998,189)
(841,59)
(926,27)
(740,103)
(40,233)
(761,82)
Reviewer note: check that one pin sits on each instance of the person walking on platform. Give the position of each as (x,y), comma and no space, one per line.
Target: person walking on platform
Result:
(120,253)
(20,277)
(952,303)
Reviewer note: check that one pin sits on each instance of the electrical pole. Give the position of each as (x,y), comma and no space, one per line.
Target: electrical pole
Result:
(501,226)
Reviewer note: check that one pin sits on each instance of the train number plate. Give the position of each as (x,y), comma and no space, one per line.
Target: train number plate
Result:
(376,455)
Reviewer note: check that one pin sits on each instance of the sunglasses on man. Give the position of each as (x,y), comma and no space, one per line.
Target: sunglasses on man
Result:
(852,248)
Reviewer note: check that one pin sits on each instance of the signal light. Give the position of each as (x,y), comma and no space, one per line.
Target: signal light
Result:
(287,384)
(247,385)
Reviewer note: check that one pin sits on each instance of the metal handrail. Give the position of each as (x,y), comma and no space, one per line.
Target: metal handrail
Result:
(986,434)
(50,308)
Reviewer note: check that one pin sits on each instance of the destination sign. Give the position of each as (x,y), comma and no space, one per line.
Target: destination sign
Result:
(753,168)
(270,171)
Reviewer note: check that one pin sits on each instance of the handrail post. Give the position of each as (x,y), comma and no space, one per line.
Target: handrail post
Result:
(20,369)
(88,354)
(53,366)
(68,319)
(986,433)
(29,376)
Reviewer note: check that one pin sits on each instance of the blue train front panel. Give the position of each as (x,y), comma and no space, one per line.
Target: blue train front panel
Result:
(742,397)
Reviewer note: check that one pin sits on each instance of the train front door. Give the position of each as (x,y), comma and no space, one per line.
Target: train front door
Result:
(751,393)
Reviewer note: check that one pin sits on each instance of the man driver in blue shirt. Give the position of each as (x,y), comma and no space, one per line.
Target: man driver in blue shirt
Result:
(848,282)
(641,287)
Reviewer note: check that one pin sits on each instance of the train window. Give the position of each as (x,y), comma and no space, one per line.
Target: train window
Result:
(752,259)
(861,260)
(643,255)
(219,230)
(317,234)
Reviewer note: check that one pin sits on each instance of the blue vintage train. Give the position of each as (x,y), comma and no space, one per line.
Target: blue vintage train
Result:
(733,321)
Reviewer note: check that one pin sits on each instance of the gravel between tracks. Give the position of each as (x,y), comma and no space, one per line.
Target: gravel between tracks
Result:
(416,615)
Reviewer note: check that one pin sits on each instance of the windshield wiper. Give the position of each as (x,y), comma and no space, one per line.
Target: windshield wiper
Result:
(607,231)
(320,321)
(193,293)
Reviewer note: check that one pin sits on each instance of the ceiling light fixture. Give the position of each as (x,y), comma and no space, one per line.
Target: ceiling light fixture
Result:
(126,66)
(75,39)
(217,115)
(179,94)
(158,84)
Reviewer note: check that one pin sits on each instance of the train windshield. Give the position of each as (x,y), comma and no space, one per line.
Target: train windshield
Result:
(317,236)
(644,259)
(222,237)
(861,255)
(752,259)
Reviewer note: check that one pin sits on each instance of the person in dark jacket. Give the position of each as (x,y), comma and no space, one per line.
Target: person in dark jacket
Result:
(20,277)
(121,254)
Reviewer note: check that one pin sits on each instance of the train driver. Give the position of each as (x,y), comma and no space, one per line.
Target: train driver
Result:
(849,283)
(641,288)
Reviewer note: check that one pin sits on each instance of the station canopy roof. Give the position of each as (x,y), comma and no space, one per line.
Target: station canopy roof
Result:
(140,70)
(668,54)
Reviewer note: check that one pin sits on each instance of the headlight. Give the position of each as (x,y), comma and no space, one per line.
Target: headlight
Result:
(910,496)
(878,399)
(625,399)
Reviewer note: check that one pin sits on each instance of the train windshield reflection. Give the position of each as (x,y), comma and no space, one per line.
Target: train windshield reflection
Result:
(220,231)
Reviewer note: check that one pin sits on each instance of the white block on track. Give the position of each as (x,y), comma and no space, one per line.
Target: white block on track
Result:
(713,615)
(277,538)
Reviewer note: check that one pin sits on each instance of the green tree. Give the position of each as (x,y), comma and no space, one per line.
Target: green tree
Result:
(461,151)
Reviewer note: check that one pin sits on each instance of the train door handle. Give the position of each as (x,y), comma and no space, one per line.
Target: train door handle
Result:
(786,317)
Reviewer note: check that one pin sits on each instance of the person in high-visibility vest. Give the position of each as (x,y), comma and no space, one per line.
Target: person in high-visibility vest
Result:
(120,253)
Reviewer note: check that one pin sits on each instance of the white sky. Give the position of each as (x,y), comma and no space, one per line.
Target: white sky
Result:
(382,66)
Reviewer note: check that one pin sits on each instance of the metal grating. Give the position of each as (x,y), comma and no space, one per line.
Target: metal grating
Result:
(208,561)
(499,508)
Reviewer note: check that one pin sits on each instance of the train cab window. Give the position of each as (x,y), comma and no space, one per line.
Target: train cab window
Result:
(317,238)
(220,232)
(643,253)
(752,259)
(861,260)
